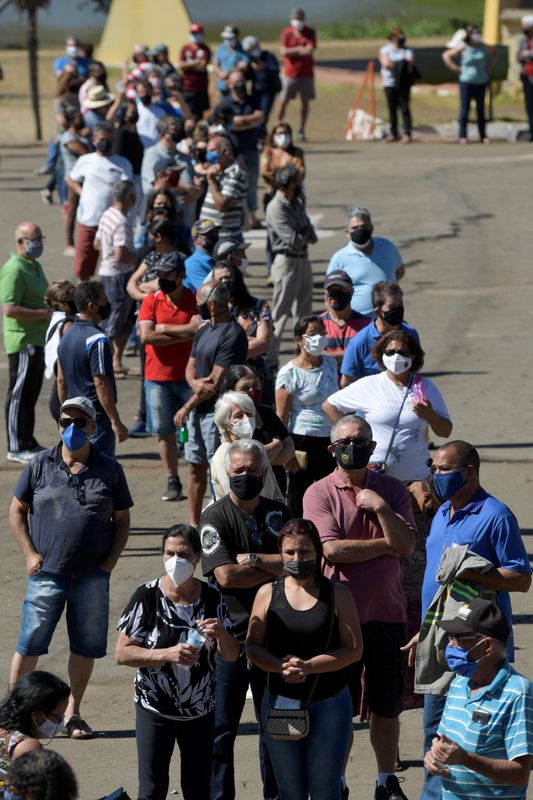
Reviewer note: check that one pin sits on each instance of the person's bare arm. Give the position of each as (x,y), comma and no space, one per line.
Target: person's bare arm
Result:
(285,453)
(346,380)
(133,284)
(256,636)
(259,344)
(400,272)
(398,535)
(385,61)
(123,255)
(61,384)
(353,551)
(74,185)
(283,404)
(501,579)
(24,314)
(221,202)
(449,57)
(149,335)
(331,412)
(244,576)
(129,653)
(243,122)
(25,746)
(106,399)
(121,532)
(18,521)
(441,426)
(77,148)
(504,771)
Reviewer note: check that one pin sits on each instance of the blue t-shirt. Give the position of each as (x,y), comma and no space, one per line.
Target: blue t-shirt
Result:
(495,722)
(197,268)
(366,269)
(71,525)
(490,529)
(81,63)
(357,361)
(309,389)
(84,351)
(474,65)
(227,59)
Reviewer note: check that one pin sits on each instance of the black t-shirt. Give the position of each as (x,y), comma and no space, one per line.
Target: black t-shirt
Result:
(272,428)
(223,345)
(247,139)
(225,531)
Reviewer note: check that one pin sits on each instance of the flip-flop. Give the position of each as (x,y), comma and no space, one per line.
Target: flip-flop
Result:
(77,728)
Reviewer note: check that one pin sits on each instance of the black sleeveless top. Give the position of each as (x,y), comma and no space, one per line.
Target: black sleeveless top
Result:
(303,634)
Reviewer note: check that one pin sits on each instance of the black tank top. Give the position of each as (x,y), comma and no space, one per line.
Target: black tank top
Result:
(303,634)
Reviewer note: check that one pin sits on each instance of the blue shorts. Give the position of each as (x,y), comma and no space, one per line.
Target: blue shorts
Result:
(87,600)
(203,438)
(120,319)
(163,399)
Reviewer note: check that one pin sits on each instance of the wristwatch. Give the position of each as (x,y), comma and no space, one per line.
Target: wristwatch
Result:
(254,559)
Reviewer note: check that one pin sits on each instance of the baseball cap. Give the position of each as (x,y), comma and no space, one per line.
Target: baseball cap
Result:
(482,616)
(226,246)
(158,49)
(196,27)
(169,262)
(338,278)
(250,43)
(230,32)
(203,227)
(81,403)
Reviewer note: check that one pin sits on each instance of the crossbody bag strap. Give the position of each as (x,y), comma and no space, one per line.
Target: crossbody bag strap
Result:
(389,448)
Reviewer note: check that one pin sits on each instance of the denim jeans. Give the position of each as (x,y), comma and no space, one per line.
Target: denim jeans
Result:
(433,708)
(469,92)
(233,679)
(313,766)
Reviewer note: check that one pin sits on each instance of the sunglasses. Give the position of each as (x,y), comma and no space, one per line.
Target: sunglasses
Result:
(392,352)
(79,422)
(360,442)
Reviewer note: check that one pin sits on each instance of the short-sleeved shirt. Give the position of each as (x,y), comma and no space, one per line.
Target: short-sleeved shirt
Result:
(366,269)
(167,363)
(249,319)
(9,739)
(502,728)
(80,63)
(358,361)
(298,66)
(84,351)
(490,529)
(233,183)
(194,81)
(153,621)
(247,139)
(376,584)
(309,389)
(23,283)
(197,268)
(225,531)
(228,58)
(394,54)
(98,174)
(156,158)
(69,158)
(474,64)
(71,526)
(338,335)
(114,230)
(224,345)
(378,400)
(147,122)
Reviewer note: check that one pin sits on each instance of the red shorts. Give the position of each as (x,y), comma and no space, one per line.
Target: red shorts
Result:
(86,256)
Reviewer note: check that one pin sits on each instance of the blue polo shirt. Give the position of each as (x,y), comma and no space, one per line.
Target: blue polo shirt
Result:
(358,361)
(367,269)
(197,268)
(495,722)
(71,525)
(228,59)
(83,352)
(490,529)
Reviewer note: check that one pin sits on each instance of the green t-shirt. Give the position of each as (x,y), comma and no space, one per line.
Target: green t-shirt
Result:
(22,283)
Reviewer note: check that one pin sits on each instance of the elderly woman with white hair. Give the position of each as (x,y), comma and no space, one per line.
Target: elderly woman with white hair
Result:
(235,419)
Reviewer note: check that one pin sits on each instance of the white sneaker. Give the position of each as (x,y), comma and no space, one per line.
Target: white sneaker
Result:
(20,456)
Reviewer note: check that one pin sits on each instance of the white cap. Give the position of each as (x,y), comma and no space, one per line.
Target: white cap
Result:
(457,39)
(250,43)
(527,21)
(81,403)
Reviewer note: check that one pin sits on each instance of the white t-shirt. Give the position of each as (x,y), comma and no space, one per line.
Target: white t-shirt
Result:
(378,399)
(147,123)
(98,174)
(394,54)
(113,231)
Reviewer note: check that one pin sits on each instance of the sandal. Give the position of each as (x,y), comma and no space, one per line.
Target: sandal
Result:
(77,728)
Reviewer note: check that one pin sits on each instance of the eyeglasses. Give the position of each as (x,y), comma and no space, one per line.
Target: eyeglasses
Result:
(79,489)
(393,352)
(359,442)
(256,536)
(79,422)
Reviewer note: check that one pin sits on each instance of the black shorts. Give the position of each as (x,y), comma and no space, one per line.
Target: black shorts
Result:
(384,665)
(198,102)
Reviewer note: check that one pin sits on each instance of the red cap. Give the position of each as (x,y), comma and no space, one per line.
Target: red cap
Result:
(196,27)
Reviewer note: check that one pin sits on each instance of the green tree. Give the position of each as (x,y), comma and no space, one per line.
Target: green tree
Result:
(31,8)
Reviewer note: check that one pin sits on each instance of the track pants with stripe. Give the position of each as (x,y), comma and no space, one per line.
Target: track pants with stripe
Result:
(26,371)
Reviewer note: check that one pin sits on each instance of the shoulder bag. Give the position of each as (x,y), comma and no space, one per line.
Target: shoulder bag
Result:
(381,466)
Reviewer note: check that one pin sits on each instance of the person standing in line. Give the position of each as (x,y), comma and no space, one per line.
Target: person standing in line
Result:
(341,322)
(524,56)
(193,61)
(397,72)
(297,45)
(227,188)
(22,289)
(228,55)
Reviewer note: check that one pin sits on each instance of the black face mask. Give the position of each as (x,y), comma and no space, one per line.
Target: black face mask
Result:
(209,244)
(104,311)
(230,283)
(352,457)
(203,310)
(246,487)
(146,100)
(133,118)
(339,300)
(394,316)
(166,285)
(401,41)
(239,88)
(361,236)
(104,146)
(300,569)
(176,136)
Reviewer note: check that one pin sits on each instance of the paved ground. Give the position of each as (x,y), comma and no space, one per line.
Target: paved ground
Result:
(462,218)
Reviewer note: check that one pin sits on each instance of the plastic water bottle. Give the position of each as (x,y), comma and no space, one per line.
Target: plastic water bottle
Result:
(196,638)
(183,435)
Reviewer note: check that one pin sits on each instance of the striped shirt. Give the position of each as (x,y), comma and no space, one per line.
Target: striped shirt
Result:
(114,230)
(496,722)
(232,182)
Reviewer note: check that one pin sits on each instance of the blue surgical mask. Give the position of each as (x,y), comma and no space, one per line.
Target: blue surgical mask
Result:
(212,157)
(73,437)
(33,248)
(448,483)
(458,662)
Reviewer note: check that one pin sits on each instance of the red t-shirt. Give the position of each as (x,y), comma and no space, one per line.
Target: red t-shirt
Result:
(298,66)
(195,81)
(167,363)
(339,336)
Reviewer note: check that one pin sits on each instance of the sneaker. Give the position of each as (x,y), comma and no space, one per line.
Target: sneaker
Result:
(69,250)
(345,792)
(20,456)
(173,491)
(138,430)
(301,136)
(393,789)
(46,197)
(43,171)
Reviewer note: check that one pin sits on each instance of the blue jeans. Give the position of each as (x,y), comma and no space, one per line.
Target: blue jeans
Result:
(433,708)
(233,679)
(313,766)
(469,92)
(104,438)
(163,399)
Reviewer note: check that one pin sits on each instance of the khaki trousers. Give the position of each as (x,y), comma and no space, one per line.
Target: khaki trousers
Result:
(292,296)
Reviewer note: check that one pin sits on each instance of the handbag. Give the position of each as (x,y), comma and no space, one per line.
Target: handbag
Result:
(381,466)
(292,724)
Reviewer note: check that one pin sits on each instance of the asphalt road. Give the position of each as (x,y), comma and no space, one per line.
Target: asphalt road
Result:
(462,217)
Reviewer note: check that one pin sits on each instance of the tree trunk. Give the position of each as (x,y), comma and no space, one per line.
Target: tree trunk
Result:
(34,77)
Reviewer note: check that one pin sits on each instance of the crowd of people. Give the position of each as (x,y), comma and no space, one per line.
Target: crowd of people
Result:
(352,567)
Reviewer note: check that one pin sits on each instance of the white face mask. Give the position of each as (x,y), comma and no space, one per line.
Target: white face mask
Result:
(72,51)
(196,38)
(475,38)
(297,24)
(231,42)
(48,729)
(243,266)
(282,140)
(315,344)
(244,428)
(397,364)
(179,570)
